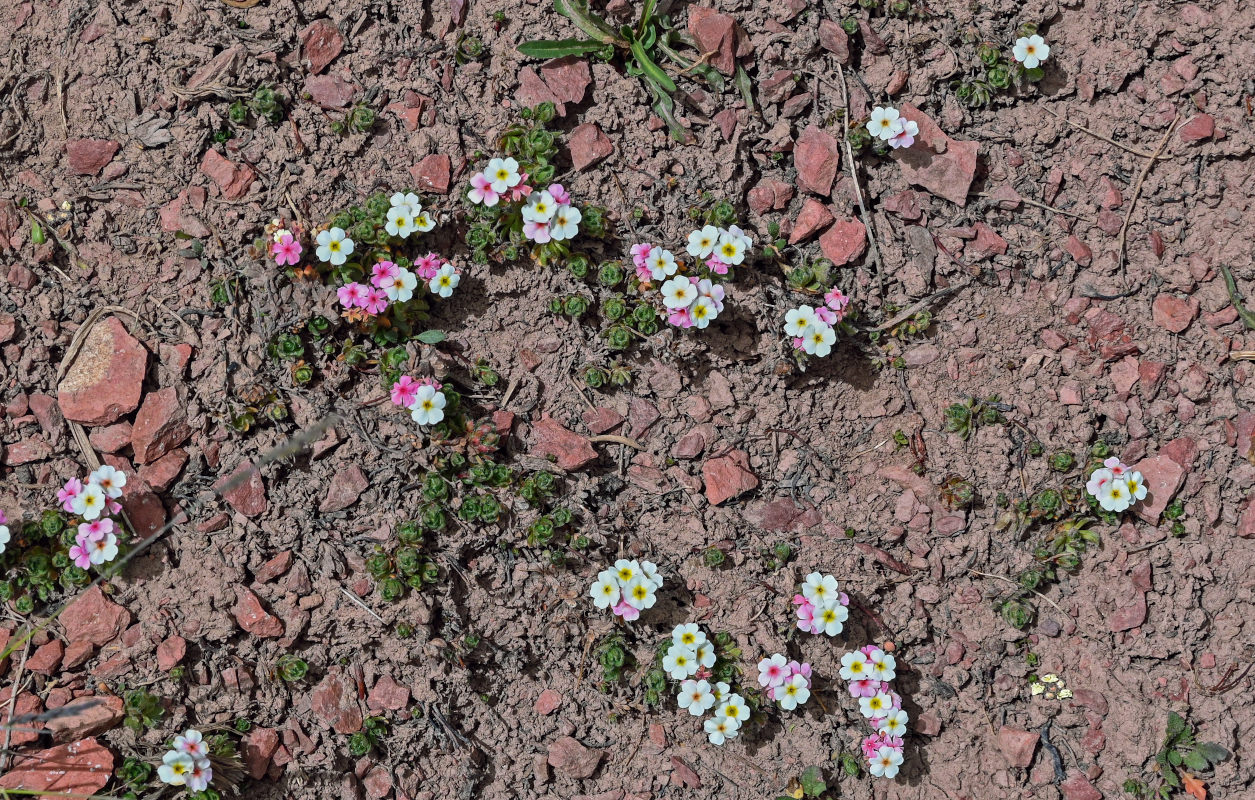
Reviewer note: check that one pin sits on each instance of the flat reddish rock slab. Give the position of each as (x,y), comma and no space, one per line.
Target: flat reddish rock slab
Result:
(94,618)
(253,617)
(943,166)
(321,42)
(346,486)
(570,758)
(234,180)
(588,145)
(160,426)
(817,158)
(106,379)
(1163,478)
(82,768)
(570,450)
(844,242)
(728,476)
(89,156)
(86,716)
(244,490)
(334,701)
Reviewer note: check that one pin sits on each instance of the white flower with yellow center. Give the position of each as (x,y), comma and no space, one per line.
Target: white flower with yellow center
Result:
(334,246)
(428,406)
(605,590)
(696,697)
(1030,50)
(688,635)
(679,292)
(679,663)
(503,173)
(702,243)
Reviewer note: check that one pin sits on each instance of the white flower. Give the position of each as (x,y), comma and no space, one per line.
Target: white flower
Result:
(703,312)
(720,691)
(793,693)
(175,767)
(702,243)
(1030,50)
(688,635)
(650,569)
(540,207)
(423,221)
(720,729)
(503,173)
(639,593)
(736,233)
(445,282)
(333,246)
(401,288)
(771,670)
(894,724)
(1114,496)
(111,480)
(605,590)
(200,776)
(626,570)
(884,122)
(428,405)
(565,223)
(855,666)
(103,550)
(798,320)
(192,742)
(705,653)
(678,292)
(821,590)
(696,697)
(90,502)
(4,537)
(401,221)
(661,263)
(817,340)
(833,618)
(406,200)
(730,249)
(875,706)
(886,763)
(883,665)
(734,708)
(1136,485)
(679,663)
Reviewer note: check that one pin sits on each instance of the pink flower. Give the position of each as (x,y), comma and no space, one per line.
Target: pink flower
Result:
(640,255)
(871,746)
(901,139)
(112,506)
(643,273)
(803,669)
(404,391)
(797,343)
(680,318)
(827,315)
(66,495)
(432,382)
(95,529)
(428,266)
(80,554)
(384,272)
(538,232)
(716,266)
(286,251)
(837,301)
(864,688)
(4,519)
(521,191)
(626,611)
(772,672)
(559,193)
(712,290)
(481,190)
(375,302)
(869,650)
(352,295)
(1116,466)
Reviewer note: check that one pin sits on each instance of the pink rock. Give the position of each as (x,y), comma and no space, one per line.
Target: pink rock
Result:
(726,120)
(432,174)
(570,758)
(86,716)
(943,166)
(346,486)
(813,218)
(834,39)
(1197,128)
(547,702)
(1124,374)
(844,242)
(1183,450)
(777,87)
(92,617)
(1017,746)
(1163,478)
(817,157)
(1080,252)
(171,652)
(46,658)
(330,91)
(174,219)
(145,510)
(570,450)
(233,180)
(163,472)
(690,445)
(720,34)
(588,145)
(1128,617)
(1246,523)
(601,419)
(334,701)
(1173,313)
(683,775)
(778,515)
(257,748)
(160,426)
(321,42)
(533,91)
(253,617)
(928,723)
(89,156)
(111,439)
(1070,394)
(79,768)
(728,476)
(387,695)
(106,380)
(27,451)
(905,204)
(76,655)
(1095,701)
(1078,787)
(274,567)
(378,782)
(244,490)
(987,243)
(567,78)
(760,199)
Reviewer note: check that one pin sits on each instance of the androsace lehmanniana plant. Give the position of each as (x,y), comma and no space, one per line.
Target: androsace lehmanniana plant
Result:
(693,660)
(628,588)
(821,606)
(1115,486)
(888,125)
(787,682)
(187,763)
(691,297)
(813,328)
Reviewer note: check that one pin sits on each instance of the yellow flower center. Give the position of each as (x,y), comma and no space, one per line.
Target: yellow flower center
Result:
(729,249)
(732,712)
(334,247)
(625,574)
(502,174)
(1031,50)
(856,667)
(700,312)
(688,638)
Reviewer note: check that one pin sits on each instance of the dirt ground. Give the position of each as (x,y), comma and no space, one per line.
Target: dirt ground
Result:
(111,108)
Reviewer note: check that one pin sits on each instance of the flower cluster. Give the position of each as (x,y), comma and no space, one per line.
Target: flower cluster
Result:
(821,607)
(786,682)
(391,283)
(1030,51)
(187,763)
(1115,486)
(869,672)
(547,214)
(689,660)
(96,542)
(1051,687)
(813,329)
(629,588)
(888,125)
(690,294)
(423,398)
